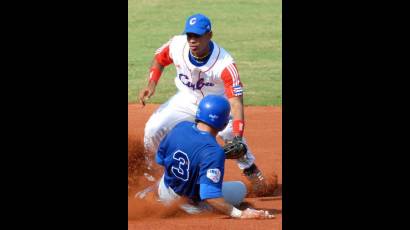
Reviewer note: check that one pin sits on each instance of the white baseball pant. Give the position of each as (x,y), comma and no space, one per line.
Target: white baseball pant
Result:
(233,192)
(181,107)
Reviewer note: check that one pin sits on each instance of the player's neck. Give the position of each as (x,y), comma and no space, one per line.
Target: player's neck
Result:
(204,127)
(203,54)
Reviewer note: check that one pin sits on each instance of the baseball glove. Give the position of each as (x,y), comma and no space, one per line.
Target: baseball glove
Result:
(235,149)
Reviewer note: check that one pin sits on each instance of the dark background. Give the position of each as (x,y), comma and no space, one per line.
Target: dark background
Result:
(344,118)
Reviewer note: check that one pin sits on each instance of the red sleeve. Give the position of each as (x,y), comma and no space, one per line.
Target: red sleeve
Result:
(162,55)
(232,82)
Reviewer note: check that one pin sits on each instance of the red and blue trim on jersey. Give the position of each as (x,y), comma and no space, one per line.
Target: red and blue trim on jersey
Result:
(232,82)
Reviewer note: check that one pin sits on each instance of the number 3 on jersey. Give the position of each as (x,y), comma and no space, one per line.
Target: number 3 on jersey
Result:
(180,165)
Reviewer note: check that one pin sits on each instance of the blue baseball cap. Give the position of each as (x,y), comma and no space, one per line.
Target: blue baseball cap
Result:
(197,24)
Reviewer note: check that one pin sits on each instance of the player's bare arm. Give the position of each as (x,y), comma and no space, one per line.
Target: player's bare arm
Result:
(222,206)
(148,91)
(237,107)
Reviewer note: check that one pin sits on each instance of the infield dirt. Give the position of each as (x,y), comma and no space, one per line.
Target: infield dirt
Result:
(263,132)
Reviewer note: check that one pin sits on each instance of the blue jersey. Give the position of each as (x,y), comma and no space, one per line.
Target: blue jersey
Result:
(193,162)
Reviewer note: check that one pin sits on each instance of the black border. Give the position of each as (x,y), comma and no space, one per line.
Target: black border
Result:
(339,123)
(73,106)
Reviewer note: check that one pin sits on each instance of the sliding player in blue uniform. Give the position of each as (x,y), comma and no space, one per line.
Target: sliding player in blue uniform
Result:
(193,164)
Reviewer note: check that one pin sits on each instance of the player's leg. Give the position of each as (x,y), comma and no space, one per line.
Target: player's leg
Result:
(175,110)
(233,192)
(167,196)
(247,162)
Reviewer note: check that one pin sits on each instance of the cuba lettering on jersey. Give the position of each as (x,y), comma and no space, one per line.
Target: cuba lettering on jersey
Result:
(218,76)
(193,162)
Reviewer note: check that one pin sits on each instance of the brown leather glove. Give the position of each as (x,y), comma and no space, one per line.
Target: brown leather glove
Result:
(235,149)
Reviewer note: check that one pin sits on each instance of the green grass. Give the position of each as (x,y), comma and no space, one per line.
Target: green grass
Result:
(251,31)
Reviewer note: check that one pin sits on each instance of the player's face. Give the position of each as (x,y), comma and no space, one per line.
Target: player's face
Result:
(199,44)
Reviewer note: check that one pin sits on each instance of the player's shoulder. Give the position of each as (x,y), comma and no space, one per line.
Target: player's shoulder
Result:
(177,44)
(213,151)
(223,53)
(224,58)
(183,124)
(211,146)
(179,39)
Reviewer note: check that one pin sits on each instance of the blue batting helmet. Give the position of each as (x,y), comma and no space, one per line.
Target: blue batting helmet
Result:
(214,110)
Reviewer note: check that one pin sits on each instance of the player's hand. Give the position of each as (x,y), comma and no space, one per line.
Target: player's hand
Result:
(146,93)
(256,214)
(235,148)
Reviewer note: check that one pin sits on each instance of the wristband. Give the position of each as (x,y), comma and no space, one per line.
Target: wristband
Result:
(238,127)
(154,74)
(236,213)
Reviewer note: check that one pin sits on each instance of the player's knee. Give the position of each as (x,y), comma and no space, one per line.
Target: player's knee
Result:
(151,129)
(153,135)
(234,192)
(226,134)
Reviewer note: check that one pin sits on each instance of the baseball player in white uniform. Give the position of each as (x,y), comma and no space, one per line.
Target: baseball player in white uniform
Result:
(203,68)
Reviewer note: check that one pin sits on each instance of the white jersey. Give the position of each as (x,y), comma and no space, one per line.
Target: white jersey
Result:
(218,76)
